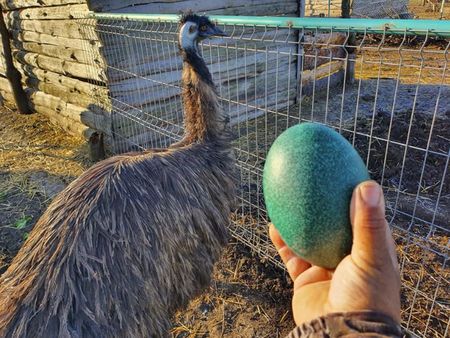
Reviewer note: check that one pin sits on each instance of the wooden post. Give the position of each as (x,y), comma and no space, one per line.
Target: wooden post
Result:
(346,8)
(13,75)
(301,8)
(346,13)
(442,10)
(301,14)
(96,146)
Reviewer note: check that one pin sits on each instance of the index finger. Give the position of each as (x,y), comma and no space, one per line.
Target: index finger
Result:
(294,264)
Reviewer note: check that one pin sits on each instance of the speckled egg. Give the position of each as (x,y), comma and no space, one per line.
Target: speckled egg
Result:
(309,176)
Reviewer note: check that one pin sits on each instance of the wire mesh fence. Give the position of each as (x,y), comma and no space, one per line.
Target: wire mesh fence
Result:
(403,9)
(380,9)
(394,9)
(388,94)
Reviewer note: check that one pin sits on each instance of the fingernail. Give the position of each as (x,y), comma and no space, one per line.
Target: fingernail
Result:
(371,194)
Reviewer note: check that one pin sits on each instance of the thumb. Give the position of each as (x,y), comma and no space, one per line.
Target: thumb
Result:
(372,241)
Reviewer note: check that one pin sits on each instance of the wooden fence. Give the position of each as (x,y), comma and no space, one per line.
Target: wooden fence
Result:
(65,83)
(49,52)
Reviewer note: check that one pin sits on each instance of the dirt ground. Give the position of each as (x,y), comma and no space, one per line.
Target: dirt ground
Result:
(431,9)
(37,160)
(247,298)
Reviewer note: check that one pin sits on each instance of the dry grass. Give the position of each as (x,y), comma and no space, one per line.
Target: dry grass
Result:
(37,160)
(32,143)
(422,252)
(408,65)
(431,10)
(248,297)
(425,287)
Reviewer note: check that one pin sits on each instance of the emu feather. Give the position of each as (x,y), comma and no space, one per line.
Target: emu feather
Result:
(132,239)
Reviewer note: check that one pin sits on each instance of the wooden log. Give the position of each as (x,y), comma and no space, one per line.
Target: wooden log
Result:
(323,10)
(89,72)
(75,86)
(322,48)
(273,8)
(27,36)
(138,91)
(234,66)
(108,5)
(323,7)
(90,115)
(167,114)
(145,65)
(70,11)
(323,71)
(64,53)
(7,99)
(62,92)
(150,137)
(78,114)
(18,4)
(273,101)
(6,96)
(324,13)
(174,6)
(5,85)
(61,28)
(69,125)
(129,58)
(313,7)
(47,107)
(256,96)
(123,33)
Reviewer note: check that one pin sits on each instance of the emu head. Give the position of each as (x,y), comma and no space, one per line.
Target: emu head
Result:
(195,28)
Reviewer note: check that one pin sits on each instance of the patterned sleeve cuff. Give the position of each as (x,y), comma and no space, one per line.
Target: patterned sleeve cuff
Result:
(350,325)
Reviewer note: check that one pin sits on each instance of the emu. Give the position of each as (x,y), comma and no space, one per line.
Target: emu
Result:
(135,237)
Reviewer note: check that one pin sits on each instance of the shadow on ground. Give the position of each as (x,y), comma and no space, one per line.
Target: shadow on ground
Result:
(24,197)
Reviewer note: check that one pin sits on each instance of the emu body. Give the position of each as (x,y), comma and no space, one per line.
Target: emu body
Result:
(132,239)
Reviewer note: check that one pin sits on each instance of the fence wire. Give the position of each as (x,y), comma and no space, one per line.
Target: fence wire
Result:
(389,95)
(381,9)
(401,9)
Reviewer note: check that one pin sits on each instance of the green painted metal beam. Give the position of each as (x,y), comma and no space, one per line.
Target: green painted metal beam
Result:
(411,27)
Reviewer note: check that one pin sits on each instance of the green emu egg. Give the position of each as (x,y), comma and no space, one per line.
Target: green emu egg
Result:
(309,176)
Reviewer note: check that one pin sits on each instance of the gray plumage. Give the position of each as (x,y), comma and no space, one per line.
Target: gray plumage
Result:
(132,239)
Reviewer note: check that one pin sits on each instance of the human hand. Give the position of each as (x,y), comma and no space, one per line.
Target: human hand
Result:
(367,279)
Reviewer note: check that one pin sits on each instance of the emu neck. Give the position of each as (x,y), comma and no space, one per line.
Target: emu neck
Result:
(203,119)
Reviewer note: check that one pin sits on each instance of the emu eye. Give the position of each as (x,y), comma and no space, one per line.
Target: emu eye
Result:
(203,28)
(192,29)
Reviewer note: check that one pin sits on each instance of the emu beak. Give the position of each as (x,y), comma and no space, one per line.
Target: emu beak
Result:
(219,32)
(216,31)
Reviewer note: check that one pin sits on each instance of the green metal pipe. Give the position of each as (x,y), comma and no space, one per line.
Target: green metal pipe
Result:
(411,27)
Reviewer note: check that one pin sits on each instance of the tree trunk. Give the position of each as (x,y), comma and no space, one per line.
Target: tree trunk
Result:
(13,75)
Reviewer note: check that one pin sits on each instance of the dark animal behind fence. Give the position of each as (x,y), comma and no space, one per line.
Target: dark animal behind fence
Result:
(133,238)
